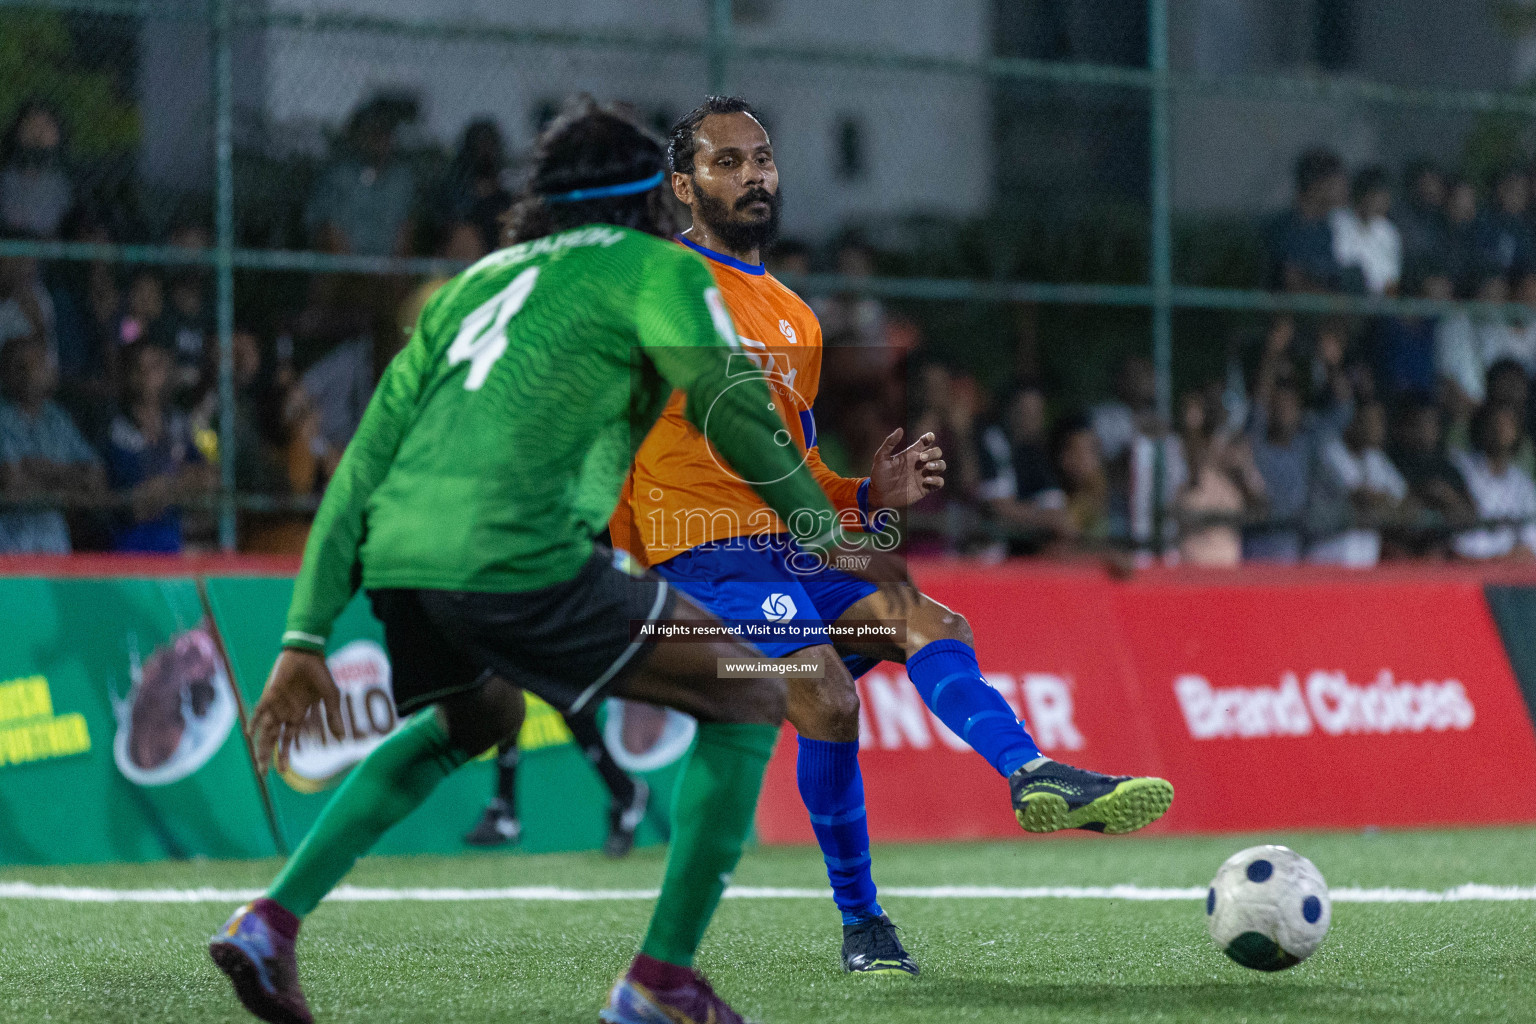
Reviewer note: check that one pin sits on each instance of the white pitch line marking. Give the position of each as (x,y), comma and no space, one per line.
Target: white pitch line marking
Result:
(15,890)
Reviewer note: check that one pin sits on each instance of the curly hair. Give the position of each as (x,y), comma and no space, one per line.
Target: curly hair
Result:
(591,145)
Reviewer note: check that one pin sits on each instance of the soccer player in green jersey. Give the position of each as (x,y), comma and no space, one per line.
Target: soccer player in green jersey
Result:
(466,505)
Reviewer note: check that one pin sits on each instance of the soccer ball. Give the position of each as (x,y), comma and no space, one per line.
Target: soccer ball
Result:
(1268,908)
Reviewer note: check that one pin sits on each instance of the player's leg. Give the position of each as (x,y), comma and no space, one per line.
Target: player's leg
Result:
(628,798)
(712,818)
(712,812)
(832,783)
(941,662)
(825,713)
(468,710)
(255,948)
(737,581)
(498,824)
(395,779)
(938,650)
(572,644)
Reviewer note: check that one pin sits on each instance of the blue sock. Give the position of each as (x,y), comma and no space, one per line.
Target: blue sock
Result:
(833,791)
(949,681)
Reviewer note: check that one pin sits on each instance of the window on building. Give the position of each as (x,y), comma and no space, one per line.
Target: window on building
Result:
(751,12)
(849,148)
(1334,25)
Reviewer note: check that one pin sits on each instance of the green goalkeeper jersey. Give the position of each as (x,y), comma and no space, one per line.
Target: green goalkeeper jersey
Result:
(496,444)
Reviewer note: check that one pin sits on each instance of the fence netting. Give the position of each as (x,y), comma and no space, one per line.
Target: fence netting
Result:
(967,207)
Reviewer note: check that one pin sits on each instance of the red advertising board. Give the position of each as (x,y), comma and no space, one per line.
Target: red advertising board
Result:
(1336,703)
(1287,700)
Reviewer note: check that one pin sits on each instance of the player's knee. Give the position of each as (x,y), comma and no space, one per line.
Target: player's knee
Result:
(937,623)
(480,719)
(843,711)
(958,628)
(825,709)
(767,702)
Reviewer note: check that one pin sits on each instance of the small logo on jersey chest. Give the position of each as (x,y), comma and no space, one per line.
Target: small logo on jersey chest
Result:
(788,331)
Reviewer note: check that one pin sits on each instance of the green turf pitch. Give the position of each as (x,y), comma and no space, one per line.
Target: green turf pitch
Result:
(984,961)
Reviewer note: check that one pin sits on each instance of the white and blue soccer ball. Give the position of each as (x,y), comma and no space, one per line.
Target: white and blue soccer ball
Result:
(1268,908)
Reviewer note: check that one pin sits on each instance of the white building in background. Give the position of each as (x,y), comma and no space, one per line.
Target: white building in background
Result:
(1234,153)
(860,144)
(851,142)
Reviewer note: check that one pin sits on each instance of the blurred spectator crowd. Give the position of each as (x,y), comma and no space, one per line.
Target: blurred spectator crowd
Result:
(109,400)
(1326,440)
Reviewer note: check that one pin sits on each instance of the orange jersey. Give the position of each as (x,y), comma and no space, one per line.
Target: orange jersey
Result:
(679,493)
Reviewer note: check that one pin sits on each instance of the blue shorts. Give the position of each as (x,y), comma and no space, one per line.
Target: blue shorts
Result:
(748,580)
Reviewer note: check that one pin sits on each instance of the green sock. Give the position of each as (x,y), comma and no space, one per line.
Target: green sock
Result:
(712,816)
(390,783)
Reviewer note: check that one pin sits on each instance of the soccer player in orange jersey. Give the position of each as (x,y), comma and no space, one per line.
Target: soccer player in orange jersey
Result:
(704,529)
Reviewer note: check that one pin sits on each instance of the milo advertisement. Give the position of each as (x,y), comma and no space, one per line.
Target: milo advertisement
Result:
(318,760)
(562,803)
(119,727)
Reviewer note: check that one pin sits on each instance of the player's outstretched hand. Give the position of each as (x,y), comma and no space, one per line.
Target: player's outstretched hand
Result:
(899,478)
(299,681)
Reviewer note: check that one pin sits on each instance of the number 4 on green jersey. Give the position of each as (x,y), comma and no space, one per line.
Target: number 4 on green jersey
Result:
(482,338)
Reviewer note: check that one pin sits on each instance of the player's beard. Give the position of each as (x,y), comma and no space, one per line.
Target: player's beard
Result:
(740,236)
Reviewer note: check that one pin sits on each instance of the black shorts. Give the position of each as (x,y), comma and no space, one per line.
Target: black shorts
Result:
(567,644)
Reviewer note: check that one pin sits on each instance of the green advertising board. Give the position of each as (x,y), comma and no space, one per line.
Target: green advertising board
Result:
(561,801)
(120,734)
(122,702)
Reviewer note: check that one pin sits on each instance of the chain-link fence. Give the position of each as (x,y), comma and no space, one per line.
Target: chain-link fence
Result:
(1014,193)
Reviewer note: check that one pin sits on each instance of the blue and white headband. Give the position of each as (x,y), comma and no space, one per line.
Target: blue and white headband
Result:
(628,188)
